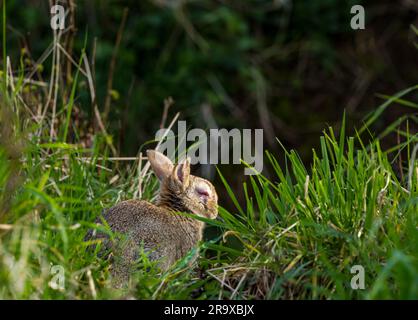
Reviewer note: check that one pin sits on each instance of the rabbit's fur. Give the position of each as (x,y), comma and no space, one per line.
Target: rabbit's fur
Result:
(165,235)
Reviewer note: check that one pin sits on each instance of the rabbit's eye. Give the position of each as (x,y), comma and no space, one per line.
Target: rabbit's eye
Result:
(203,192)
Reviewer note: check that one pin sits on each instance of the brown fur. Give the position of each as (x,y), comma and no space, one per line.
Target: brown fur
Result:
(166,236)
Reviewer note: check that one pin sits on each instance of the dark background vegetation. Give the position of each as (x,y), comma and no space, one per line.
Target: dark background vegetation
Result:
(289,67)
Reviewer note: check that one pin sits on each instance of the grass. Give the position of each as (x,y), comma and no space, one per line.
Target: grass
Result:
(296,236)
(302,234)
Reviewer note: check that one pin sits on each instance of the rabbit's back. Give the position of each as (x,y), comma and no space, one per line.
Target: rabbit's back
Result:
(140,219)
(164,234)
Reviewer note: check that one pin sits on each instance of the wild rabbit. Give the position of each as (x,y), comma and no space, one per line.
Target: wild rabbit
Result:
(165,235)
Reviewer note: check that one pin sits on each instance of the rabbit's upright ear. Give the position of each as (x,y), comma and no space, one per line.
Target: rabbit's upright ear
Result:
(182,172)
(161,165)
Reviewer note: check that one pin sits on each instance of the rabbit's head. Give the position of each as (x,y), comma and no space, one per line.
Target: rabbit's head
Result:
(182,191)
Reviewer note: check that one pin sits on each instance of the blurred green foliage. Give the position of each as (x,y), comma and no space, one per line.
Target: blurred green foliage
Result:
(175,50)
(287,66)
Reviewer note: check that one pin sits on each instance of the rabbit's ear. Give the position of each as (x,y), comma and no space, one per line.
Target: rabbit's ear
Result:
(161,165)
(182,172)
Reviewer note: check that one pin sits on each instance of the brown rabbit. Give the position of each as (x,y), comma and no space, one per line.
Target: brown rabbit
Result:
(165,235)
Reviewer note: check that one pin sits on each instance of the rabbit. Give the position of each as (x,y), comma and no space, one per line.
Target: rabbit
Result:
(165,235)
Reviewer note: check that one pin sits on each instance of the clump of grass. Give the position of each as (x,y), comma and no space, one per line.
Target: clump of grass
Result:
(301,233)
(297,236)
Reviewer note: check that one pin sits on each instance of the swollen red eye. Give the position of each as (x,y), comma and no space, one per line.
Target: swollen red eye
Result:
(203,193)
